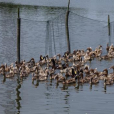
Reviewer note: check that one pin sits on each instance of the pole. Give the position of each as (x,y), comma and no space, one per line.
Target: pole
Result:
(18,36)
(67,29)
(108,25)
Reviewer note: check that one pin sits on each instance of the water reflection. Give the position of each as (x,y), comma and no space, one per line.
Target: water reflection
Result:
(35,83)
(104,89)
(48,95)
(90,87)
(77,86)
(4,78)
(66,98)
(57,84)
(18,96)
(65,87)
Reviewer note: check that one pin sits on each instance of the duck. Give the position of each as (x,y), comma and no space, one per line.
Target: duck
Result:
(106,75)
(86,70)
(69,81)
(111,48)
(59,77)
(112,67)
(89,49)
(43,78)
(108,82)
(43,75)
(43,60)
(94,81)
(107,48)
(52,76)
(15,70)
(10,74)
(58,61)
(35,76)
(41,57)
(110,54)
(2,69)
(87,57)
(105,57)
(31,62)
(98,53)
(23,74)
(81,79)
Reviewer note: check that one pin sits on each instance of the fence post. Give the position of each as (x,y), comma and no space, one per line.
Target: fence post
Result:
(18,36)
(67,29)
(108,25)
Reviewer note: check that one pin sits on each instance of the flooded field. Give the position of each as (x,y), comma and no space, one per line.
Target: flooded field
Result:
(87,27)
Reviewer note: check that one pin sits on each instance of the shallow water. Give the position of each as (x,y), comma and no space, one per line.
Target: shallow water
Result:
(48,97)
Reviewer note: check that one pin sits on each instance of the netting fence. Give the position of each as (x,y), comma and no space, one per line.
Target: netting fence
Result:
(49,36)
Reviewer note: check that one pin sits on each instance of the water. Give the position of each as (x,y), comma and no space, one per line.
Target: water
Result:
(48,97)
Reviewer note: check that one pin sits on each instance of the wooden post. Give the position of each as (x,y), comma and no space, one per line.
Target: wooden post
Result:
(108,25)
(18,36)
(67,29)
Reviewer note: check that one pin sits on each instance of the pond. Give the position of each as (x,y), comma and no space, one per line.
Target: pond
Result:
(43,32)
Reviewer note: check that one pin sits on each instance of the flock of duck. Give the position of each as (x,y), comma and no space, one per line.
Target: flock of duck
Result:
(66,69)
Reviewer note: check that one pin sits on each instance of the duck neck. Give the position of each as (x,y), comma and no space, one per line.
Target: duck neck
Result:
(64,80)
(81,75)
(57,79)
(91,81)
(51,76)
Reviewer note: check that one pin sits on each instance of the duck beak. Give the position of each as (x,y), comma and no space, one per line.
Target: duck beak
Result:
(42,58)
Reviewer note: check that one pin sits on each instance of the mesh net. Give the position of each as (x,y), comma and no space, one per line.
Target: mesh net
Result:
(111,32)
(83,30)
(57,35)
(33,38)
(49,37)
(8,40)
